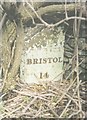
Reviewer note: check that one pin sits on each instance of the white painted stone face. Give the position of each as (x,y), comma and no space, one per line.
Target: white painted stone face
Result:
(43,63)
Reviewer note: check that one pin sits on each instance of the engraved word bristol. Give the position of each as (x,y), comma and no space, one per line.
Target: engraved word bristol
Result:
(43,59)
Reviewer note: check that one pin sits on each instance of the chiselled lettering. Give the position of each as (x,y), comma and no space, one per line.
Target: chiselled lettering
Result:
(44,60)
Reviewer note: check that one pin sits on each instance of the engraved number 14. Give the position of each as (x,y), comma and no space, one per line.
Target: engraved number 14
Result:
(43,76)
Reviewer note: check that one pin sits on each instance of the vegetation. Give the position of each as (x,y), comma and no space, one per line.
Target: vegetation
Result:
(15,18)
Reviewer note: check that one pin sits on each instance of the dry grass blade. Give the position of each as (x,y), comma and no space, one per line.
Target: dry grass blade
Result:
(45,103)
(76,90)
(53,112)
(28,106)
(65,92)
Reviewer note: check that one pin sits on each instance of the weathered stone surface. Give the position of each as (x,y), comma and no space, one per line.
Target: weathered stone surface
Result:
(42,60)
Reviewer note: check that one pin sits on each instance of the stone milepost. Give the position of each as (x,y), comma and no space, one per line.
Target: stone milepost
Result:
(43,63)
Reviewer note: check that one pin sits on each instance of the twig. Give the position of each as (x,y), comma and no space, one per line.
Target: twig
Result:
(24,93)
(32,94)
(54,113)
(27,107)
(65,109)
(45,23)
(65,92)
(69,101)
(30,15)
(76,50)
(76,113)
(2,21)
(18,108)
(69,18)
(66,15)
(74,69)
(38,112)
